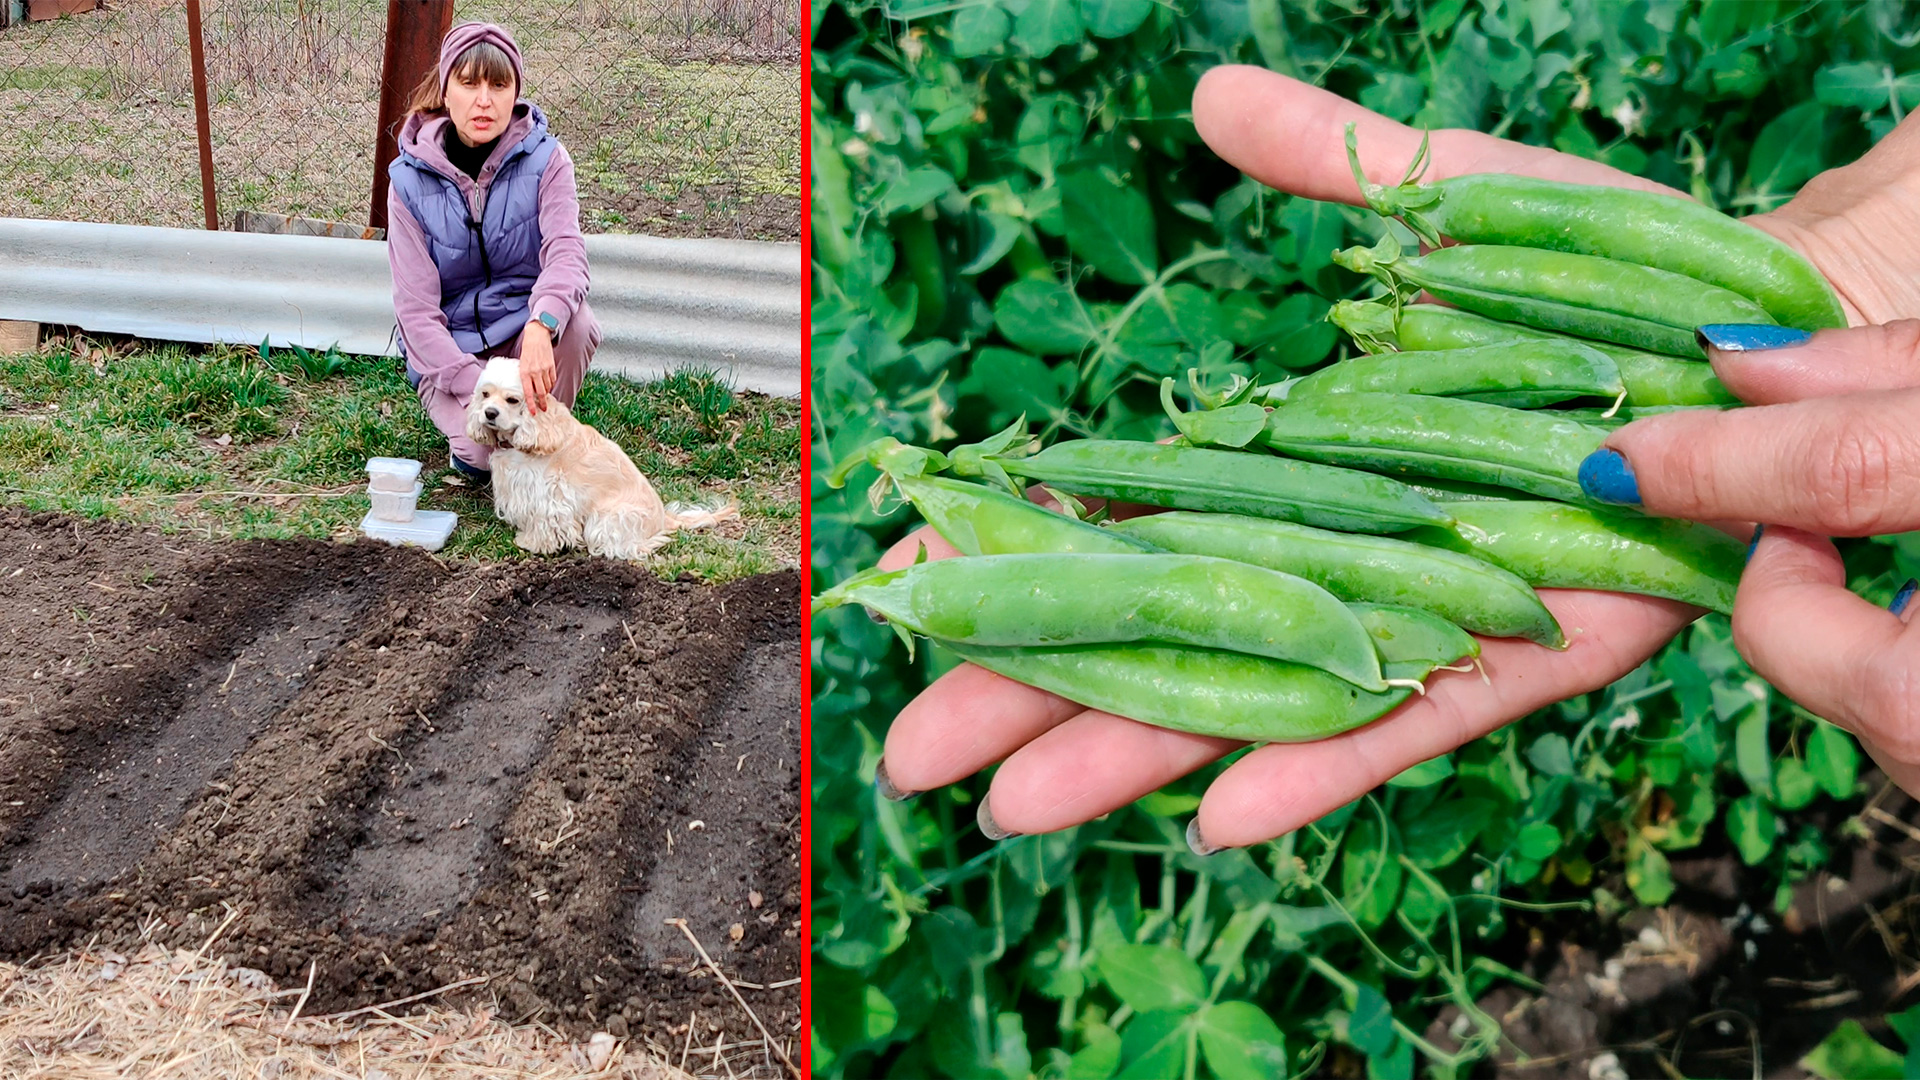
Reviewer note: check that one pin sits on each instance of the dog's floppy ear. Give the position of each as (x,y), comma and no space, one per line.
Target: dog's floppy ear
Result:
(543,433)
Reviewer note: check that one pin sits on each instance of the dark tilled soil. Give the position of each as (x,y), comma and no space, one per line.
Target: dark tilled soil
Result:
(395,773)
(1717,983)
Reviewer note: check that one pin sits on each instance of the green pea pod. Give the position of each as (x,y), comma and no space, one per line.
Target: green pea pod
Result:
(978,520)
(1232,695)
(1664,231)
(1195,478)
(975,519)
(1464,590)
(1053,600)
(1407,434)
(1585,295)
(1650,379)
(1453,491)
(1549,545)
(1600,417)
(1519,374)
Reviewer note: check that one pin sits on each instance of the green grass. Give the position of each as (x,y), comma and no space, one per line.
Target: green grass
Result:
(223,443)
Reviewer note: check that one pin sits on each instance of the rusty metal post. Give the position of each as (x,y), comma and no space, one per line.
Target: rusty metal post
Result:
(203,127)
(415,29)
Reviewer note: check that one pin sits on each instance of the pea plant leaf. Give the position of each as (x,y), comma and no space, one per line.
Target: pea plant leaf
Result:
(1833,759)
(1370,1025)
(1153,978)
(1043,317)
(1787,153)
(1154,1046)
(1241,1042)
(1849,1053)
(1110,225)
(1041,26)
(1114,18)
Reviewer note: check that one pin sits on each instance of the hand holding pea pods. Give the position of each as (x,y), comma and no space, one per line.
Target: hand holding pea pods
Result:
(1832,455)
(1064,764)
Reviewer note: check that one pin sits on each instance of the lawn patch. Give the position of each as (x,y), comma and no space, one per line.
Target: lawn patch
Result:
(248,443)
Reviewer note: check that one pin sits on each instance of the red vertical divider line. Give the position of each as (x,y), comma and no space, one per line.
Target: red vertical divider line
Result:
(806,534)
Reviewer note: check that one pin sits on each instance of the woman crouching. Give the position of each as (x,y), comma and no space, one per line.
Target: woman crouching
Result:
(483,236)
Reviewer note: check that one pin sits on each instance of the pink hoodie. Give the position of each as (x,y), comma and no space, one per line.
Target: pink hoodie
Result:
(563,280)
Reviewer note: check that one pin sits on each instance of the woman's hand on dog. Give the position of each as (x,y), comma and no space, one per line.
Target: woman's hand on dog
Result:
(537,373)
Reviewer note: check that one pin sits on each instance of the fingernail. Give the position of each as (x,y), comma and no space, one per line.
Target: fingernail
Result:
(1904,597)
(989,826)
(1748,337)
(1755,542)
(1606,476)
(1198,843)
(888,789)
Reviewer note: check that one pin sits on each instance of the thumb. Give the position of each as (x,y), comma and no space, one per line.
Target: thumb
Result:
(1767,365)
(1837,466)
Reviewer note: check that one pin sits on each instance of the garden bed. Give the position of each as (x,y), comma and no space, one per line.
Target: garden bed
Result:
(385,773)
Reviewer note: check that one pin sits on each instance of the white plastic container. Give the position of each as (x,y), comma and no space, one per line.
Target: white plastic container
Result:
(391,506)
(392,475)
(428,529)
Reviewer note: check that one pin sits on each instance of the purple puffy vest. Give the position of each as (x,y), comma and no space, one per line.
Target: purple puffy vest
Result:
(487,268)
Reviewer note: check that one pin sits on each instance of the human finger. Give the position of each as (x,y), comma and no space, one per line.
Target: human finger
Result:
(967,720)
(906,550)
(1836,654)
(1768,365)
(1291,135)
(1091,764)
(1282,786)
(1838,466)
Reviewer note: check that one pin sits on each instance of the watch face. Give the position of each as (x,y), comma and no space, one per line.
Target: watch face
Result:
(547,320)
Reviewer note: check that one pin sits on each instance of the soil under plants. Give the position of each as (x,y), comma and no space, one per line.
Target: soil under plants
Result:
(388,773)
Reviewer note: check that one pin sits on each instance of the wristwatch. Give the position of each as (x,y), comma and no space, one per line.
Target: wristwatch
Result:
(552,324)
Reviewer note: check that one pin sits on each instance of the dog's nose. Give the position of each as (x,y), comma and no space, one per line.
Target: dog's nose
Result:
(492,414)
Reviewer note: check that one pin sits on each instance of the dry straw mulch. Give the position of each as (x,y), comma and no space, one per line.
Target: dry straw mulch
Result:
(180,1015)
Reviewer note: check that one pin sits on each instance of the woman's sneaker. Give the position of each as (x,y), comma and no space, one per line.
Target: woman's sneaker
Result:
(476,476)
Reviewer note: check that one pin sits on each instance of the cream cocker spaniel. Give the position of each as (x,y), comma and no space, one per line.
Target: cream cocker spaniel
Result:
(562,484)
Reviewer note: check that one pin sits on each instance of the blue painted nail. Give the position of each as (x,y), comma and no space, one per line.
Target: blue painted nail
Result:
(1748,337)
(1755,542)
(1606,476)
(1904,597)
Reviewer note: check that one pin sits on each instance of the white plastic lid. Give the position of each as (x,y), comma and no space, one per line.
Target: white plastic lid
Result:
(428,528)
(398,472)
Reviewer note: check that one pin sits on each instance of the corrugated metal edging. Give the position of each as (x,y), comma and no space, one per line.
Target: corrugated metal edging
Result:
(663,304)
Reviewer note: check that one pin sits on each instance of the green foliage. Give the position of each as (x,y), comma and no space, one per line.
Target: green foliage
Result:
(1013,214)
(229,442)
(296,359)
(1850,1053)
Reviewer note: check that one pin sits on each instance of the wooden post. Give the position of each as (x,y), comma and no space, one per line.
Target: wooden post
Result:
(207,200)
(415,29)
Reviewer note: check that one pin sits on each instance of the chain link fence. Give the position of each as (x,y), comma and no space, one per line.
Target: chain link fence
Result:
(683,116)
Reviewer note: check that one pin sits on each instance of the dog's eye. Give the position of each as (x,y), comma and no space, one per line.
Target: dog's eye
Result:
(513,401)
